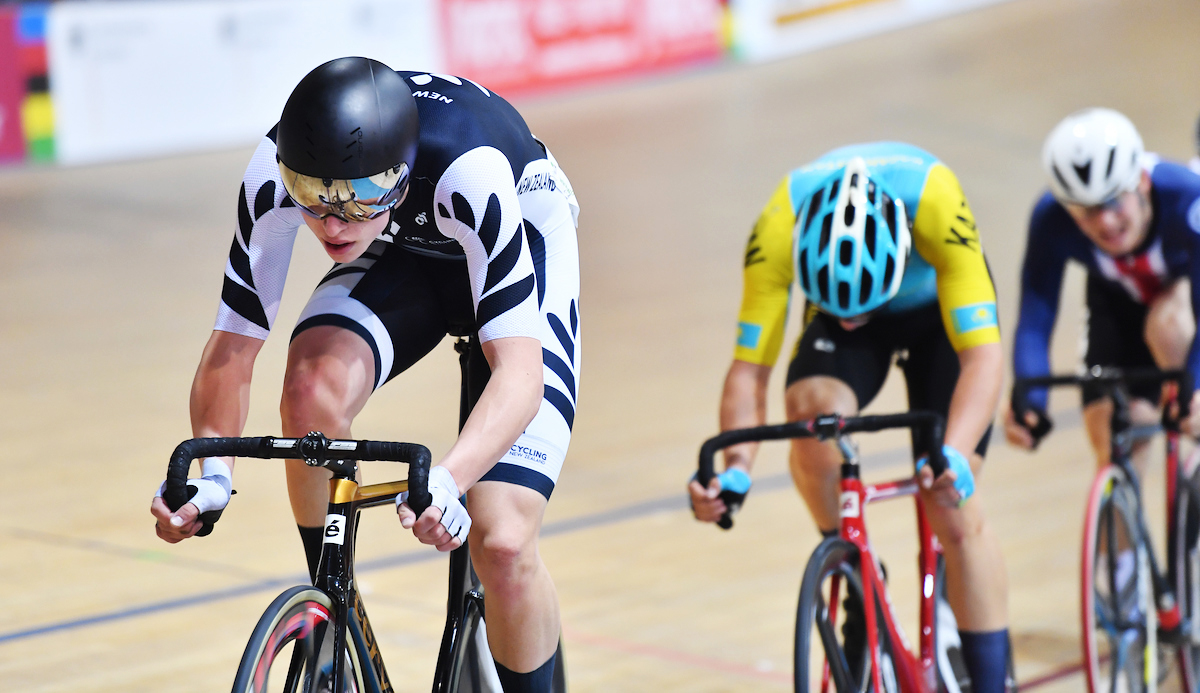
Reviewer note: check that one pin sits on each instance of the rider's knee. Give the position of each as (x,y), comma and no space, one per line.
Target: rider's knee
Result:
(310,395)
(819,395)
(1168,331)
(960,529)
(503,560)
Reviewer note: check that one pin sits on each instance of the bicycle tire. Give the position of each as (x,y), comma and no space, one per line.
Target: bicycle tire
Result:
(835,558)
(299,616)
(1119,618)
(1185,569)
(474,670)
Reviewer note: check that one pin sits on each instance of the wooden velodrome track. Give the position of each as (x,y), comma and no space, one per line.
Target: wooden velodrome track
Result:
(110,277)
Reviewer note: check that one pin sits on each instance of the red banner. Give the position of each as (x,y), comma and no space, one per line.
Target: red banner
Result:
(521,44)
(12,89)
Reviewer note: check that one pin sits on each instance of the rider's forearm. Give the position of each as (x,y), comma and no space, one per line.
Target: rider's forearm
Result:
(220,398)
(975,396)
(744,405)
(508,403)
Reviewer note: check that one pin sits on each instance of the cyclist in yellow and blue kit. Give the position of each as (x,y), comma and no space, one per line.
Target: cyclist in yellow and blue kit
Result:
(884,246)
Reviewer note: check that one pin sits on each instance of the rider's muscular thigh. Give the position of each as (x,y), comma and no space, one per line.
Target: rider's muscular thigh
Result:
(329,376)
(814,464)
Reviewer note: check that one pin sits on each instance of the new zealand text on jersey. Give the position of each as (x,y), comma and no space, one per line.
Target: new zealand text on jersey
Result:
(538,181)
(432,95)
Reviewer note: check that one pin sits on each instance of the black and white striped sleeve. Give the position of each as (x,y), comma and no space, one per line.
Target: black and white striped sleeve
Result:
(261,249)
(476,204)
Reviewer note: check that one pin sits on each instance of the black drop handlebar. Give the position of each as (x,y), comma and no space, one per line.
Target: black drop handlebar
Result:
(931,424)
(1116,383)
(315,449)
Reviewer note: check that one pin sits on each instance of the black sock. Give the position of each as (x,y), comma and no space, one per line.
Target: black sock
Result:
(537,681)
(827,533)
(986,656)
(314,541)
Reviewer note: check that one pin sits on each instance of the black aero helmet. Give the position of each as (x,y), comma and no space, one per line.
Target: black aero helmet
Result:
(347,139)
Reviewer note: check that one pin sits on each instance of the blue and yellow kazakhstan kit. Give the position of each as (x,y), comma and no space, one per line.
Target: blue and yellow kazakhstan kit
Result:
(947,265)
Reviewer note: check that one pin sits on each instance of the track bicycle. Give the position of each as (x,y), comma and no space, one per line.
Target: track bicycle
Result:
(1136,616)
(866,650)
(329,616)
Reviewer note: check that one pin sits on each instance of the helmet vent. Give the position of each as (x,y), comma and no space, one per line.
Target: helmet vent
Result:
(889,213)
(814,205)
(1084,172)
(864,287)
(844,295)
(803,271)
(1059,177)
(871,190)
(833,190)
(848,216)
(869,236)
(826,227)
(823,283)
(1112,159)
(854,180)
(888,270)
(846,249)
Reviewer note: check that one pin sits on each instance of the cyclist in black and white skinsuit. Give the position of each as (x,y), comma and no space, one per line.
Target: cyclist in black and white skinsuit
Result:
(477,238)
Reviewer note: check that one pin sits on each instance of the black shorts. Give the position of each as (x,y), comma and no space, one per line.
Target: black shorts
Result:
(1116,328)
(403,304)
(862,357)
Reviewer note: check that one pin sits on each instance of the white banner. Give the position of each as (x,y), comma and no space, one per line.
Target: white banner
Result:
(767,29)
(134,79)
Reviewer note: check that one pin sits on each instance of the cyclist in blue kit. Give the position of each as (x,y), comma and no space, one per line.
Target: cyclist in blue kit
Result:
(444,215)
(1132,220)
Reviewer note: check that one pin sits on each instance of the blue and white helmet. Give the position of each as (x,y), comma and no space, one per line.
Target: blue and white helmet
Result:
(853,243)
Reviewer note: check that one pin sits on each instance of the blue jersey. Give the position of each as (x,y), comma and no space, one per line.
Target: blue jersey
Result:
(1170,251)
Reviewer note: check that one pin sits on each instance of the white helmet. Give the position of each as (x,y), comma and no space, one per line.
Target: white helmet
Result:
(1092,156)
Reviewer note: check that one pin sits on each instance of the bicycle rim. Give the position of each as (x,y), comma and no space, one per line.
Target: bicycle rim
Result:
(831,647)
(291,649)
(1119,619)
(1185,564)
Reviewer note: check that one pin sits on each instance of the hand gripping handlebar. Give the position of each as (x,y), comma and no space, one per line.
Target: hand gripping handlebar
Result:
(315,449)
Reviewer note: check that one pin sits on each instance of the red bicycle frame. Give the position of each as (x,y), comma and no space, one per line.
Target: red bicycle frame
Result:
(914,672)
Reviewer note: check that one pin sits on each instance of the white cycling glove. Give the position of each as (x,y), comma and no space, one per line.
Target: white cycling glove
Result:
(444,491)
(213,489)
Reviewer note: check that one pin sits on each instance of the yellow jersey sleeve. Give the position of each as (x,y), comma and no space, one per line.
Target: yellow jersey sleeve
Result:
(766,281)
(944,234)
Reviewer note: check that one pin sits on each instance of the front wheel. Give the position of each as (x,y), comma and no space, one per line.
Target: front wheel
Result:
(300,617)
(831,638)
(1119,619)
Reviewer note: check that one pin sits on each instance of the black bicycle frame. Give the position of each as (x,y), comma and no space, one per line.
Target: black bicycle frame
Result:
(1116,383)
(462,594)
(335,572)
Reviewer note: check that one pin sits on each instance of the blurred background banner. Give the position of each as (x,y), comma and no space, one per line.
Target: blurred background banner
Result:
(766,29)
(87,82)
(522,44)
(135,79)
(12,143)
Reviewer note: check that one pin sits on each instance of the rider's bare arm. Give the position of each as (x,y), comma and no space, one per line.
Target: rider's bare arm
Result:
(219,402)
(508,403)
(220,397)
(743,405)
(975,396)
